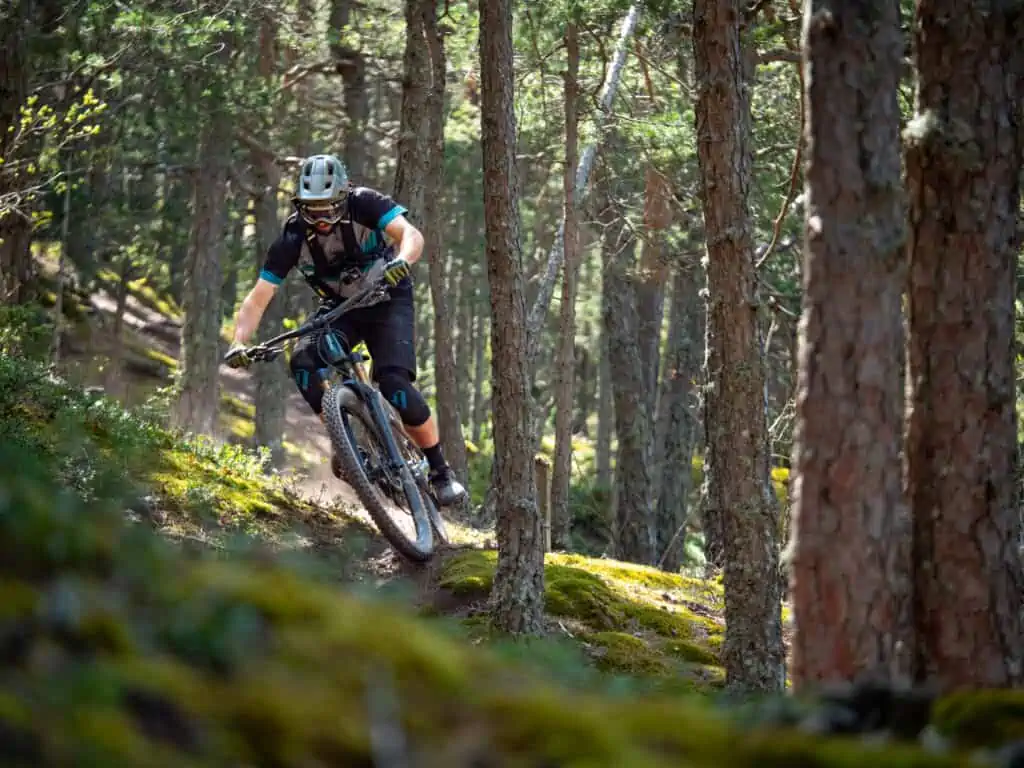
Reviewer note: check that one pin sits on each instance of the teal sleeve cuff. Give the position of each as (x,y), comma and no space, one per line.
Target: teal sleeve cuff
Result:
(270,277)
(391,215)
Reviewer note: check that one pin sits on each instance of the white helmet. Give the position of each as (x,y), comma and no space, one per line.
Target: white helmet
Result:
(322,190)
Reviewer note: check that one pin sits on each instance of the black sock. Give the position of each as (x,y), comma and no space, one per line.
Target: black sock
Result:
(435,458)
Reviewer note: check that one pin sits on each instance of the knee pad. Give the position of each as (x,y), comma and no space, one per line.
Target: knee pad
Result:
(307,378)
(396,386)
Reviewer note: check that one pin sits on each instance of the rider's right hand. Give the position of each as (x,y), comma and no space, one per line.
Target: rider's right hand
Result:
(237,357)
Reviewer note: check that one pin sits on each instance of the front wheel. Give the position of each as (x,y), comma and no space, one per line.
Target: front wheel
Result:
(372,464)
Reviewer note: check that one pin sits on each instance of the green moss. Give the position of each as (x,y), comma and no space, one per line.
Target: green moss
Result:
(976,718)
(574,593)
(621,652)
(662,620)
(687,651)
(469,573)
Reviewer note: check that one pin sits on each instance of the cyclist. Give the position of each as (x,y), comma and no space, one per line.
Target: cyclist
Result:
(336,234)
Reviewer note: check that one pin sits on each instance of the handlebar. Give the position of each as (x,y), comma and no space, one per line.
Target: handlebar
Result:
(271,348)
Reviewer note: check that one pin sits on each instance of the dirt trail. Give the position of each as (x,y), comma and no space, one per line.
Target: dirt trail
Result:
(303,428)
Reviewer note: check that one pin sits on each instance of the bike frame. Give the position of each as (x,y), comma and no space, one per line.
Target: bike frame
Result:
(350,365)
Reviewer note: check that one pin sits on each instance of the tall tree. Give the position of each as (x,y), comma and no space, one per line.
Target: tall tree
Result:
(963,168)
(199,385)
(272,381)
(518,592)
(449,417)
(676,427)
(736,457)
(565,363)
(350,63)
(848,601)
(633,528)
(15,219)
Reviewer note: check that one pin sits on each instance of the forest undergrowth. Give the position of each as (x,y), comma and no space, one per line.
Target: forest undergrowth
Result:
(170,603)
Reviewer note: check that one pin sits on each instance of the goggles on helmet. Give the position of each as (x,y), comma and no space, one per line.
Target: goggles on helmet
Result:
(321,213)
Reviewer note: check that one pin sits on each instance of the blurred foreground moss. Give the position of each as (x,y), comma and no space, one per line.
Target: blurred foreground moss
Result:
(117,649)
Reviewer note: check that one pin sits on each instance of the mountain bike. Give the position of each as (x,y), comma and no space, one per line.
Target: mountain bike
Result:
(387,470)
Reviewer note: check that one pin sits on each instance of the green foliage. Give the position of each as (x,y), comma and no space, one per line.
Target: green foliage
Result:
(25,331)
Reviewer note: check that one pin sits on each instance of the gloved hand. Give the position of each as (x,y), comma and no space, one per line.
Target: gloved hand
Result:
(237,357)
(395,271)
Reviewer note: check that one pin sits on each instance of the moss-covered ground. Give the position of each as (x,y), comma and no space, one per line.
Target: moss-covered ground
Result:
(629,619)
(118,649)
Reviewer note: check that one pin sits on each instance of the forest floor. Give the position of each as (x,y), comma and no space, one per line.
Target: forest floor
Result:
(271,628)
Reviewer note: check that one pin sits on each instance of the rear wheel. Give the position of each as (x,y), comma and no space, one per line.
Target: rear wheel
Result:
(383,481)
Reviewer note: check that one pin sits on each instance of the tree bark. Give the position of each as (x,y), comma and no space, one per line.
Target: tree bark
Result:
(963,164)
(676,428)
(633,529)
(445,374)
(479,373)
(736,460)
(15,224)
(410,172)
(565,365)
(605,412)
(518,592)
(196,409)
(848,600)
(654,274)
(351,65)
(272,380)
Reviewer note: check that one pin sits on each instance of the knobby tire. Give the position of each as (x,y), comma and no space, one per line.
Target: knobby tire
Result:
(336,416)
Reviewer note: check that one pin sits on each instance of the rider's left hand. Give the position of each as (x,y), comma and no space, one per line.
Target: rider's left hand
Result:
(395,271)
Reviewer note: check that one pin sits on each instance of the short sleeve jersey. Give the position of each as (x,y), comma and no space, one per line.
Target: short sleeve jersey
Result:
(369,212)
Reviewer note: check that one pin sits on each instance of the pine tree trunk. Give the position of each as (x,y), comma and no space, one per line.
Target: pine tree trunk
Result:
(411,169)
(565,364)
(605,412)
(633,529)
(736,459)
(449,419)
(654,274)
(351,65)
(963,164)
(518,593)
(676,428)
(849,404)
(15,224)
(272,380)
(196,409)
(479,374)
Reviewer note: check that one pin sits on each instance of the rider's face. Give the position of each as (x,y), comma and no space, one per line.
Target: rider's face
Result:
(322,216)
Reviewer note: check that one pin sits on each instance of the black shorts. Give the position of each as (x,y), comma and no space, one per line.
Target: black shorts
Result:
(388,328)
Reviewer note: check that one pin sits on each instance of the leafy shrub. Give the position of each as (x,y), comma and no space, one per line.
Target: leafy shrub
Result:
(25,331)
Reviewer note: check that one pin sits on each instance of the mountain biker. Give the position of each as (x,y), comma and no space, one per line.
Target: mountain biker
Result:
(336,234)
